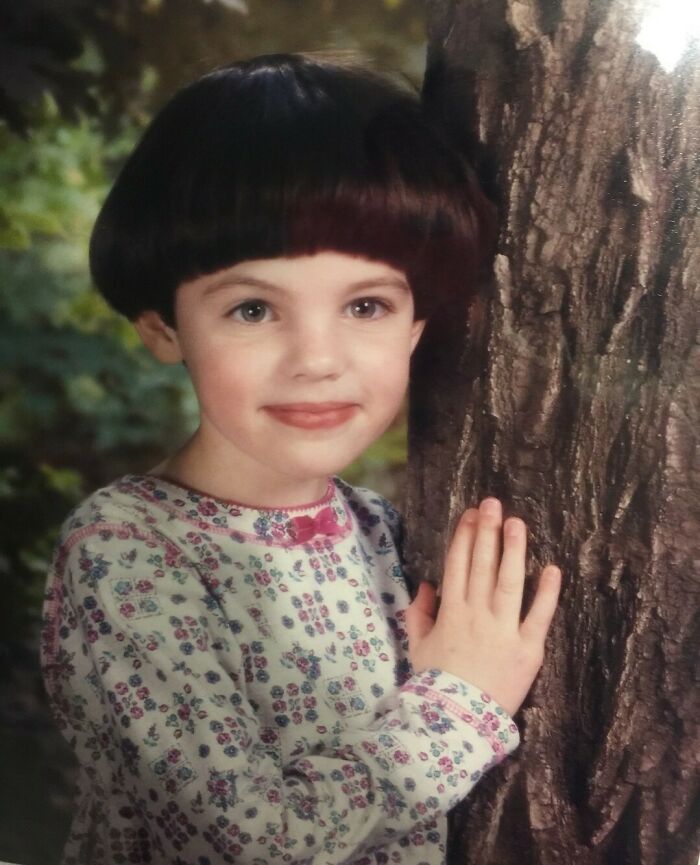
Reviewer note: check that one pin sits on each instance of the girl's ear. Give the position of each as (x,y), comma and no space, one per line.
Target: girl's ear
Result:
(160,339)
(416,331)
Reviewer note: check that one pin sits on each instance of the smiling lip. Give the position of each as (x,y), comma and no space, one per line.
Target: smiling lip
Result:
(313,415)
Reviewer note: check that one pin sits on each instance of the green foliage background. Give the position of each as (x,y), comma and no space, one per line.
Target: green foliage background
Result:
(80,399)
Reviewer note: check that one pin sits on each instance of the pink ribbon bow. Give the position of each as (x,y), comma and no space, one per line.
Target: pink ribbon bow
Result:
(303,529)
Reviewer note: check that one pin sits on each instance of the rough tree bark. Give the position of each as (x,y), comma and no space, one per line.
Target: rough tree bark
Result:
(571,392)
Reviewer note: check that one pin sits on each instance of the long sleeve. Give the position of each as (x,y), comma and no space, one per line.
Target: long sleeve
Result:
(147,678)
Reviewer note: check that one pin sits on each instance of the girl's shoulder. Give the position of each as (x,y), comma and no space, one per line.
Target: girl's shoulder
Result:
(371,509)
(121,498)
(120,504)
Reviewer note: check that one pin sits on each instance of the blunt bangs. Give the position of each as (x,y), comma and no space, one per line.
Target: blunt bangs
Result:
(288,155)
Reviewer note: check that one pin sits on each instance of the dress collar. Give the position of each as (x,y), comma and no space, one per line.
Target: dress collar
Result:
(326,520)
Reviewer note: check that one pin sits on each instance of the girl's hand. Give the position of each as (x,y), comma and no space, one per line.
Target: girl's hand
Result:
(477,634)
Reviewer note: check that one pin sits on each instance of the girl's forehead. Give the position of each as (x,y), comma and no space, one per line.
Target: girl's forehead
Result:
(327,267)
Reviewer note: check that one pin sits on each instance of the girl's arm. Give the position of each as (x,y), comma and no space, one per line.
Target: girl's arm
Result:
(144,682)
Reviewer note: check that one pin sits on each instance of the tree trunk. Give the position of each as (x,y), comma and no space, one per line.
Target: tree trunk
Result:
(570,391)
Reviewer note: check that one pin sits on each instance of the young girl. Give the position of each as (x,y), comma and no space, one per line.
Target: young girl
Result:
(229,645)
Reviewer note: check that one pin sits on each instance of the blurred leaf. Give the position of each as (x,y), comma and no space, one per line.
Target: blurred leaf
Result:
(388,452)
(84,393)
(12,234)
(68,482)
(8,479)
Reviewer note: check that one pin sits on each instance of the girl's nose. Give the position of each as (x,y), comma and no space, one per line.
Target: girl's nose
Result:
(316,350)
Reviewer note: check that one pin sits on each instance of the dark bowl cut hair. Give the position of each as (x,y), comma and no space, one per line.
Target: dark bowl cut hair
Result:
(287,155)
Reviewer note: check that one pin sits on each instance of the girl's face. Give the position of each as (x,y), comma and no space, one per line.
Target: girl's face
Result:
(270,343)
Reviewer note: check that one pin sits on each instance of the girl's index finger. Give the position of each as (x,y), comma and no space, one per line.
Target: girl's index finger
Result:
(458,559)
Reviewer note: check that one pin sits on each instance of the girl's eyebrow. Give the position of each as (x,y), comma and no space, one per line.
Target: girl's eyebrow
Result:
(387,281)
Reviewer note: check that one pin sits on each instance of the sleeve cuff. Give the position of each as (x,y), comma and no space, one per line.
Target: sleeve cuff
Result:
(471,706)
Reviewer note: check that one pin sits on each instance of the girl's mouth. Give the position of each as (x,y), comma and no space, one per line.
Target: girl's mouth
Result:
(312,415)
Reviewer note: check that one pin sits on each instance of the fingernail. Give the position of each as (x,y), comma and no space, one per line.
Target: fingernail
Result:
(491,506)
(514,527)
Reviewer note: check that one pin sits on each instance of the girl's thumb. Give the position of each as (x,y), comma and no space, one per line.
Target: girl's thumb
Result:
(420,614)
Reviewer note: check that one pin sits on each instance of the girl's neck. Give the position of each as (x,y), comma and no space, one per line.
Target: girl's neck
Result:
(193,468)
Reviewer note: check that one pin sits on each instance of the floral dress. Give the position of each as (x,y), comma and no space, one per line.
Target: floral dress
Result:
(235,684)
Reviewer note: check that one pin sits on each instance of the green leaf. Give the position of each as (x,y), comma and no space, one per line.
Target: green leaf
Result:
(68,482)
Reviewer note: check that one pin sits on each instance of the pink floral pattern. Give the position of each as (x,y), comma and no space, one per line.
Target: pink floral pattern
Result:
(237,692)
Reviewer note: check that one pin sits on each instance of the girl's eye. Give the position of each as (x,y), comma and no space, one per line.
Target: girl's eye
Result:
(252,311)
(365,307)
